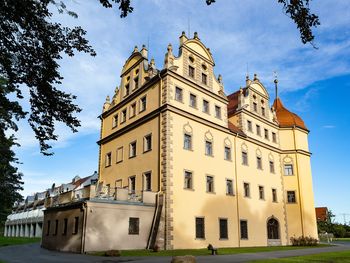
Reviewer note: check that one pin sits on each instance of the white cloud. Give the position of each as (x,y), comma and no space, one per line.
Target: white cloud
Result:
(328,126)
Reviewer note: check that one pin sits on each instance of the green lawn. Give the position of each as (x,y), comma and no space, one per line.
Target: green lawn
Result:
(342,239)
(331,257)
(9,241)
(203,252)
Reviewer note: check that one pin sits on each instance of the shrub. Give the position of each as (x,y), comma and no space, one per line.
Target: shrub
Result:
(112,253)
(303,241)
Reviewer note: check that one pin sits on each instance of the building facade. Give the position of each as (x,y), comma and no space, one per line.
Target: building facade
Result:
(233,170)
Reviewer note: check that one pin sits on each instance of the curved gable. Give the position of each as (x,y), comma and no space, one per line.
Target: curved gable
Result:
(131,61)
(198,47)
(259,88)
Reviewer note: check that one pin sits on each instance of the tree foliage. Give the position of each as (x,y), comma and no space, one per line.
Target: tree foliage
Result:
(297,10)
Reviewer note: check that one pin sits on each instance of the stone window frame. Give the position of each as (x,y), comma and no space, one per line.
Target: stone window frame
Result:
(124,114)
(266,134)
(250,126)
(218,114)
(211,143)
(191,141)
(133,110)
(108,159)
(295,196)
(145,150)
(76,225)
(144,176)
(122,154)
(179,94)
(134,226)
(143,105)
(291,168)
(195,106)
(258,130)
(115,120)
(272,166)
(274,137)
(132,155)
(65,227)
(206,102)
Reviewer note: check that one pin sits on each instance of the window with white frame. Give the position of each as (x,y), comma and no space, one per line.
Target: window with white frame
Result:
(147,143)
(143,103)
(108,159)
(133,110)
(132,149)
(123,117)
(217,112)
(288,169)
(178,94)
(205,106)
(115,121)
(291,198)
(193,100)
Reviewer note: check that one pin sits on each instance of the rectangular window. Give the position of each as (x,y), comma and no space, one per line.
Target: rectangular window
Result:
(208,148)
(258,132)
(132,184)
(274,195)
(205,106)
(191,71)
(143,104)
(204,78)
(223,228)
(263,111)
(266,133)
(147,178)
(218,112)
(246,190)
(249,124)
(65,226)
(48,227)
(291,198)
(255,106)
(115,121)
(200,232)
(127,90)
(108,159)
(147,143)
(229,187)
(123,117)
(244,158)
(227,153)
(136,82)
(261,193)
(56,228)
(244,229)
(76,225)
(258,162)
(272,167)
(210,184)
(188,180)
(288,169)
(178,94)
(133,110)
(134,225)
(274,139)
(119,154)
(193,100)
(132,149)
(187,141)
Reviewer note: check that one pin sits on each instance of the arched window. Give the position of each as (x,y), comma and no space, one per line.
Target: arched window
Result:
(273,229)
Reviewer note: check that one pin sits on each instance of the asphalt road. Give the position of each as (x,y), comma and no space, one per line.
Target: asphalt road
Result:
(33,253)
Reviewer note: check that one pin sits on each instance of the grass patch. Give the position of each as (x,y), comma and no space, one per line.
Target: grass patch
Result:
(10,241)
(332,257)
(203,251)
(342,239)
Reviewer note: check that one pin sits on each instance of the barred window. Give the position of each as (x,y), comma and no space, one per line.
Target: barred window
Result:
(244,229)
(134,225)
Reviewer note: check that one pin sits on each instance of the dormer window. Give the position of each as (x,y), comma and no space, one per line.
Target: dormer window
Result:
(204,79)
(191,71)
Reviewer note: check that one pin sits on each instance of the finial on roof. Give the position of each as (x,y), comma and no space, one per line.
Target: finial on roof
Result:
(220,79)
(170,48)
(247,77)
(107,98)
(183,34)
(256,76)
(196,35)
(136,49)
(276,87)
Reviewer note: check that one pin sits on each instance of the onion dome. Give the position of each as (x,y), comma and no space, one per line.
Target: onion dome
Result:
(287,118)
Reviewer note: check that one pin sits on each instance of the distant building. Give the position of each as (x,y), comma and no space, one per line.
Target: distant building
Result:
(182,164)
(322,214)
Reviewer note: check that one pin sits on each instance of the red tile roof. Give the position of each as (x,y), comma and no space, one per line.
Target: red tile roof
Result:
(287,118)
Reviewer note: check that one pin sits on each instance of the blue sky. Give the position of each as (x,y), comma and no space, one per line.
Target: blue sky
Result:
(242,35)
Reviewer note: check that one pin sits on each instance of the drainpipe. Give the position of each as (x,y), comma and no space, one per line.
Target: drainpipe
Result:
(236,183)
(83,231)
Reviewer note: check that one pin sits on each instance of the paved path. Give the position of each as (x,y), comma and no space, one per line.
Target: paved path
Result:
(33,253)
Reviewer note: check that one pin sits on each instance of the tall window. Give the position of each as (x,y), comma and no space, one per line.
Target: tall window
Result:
(193,100)
(76,225)
(65,226)
(108,159)
(227,153)
(262,111)
(134,225)
(274,195)
(147,182)
(143,103)
(258,132)
(259,162)
(56,228)
(191,71)
(208,148)
(272,167)
(204,78)
(255,107)
(217,112)
(246,190)
(187,141)
(136,82)
(244,229)
(229,187)
(133,110)
(205,106)
(249,124)
(274,139)
(48,227)
(115,121)
(244,158)
(261,193)
(210,184)
(132,149)
(266,133)
(120,154)
(188,180)
(127,90)
(223,228)
(132,184)
(178,94)
(123,117)
(291,198)
(147,143)
(273,229)
(200,232)
(288,169)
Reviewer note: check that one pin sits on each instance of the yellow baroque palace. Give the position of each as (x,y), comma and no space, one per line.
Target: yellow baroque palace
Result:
(182,164)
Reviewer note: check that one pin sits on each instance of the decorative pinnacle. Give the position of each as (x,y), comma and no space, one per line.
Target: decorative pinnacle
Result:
(196,35)
(255,76)
(183,34)
(107,99)
(170,48)
(143,46)
(152,62)
(220,78)
(136,49)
